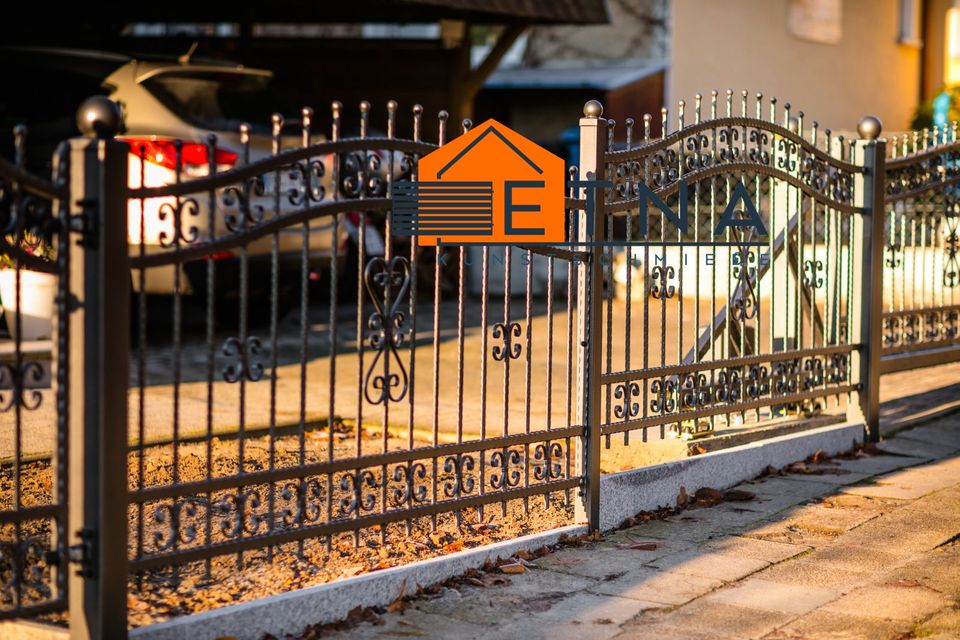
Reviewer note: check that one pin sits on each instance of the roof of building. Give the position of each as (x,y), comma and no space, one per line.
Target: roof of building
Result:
(302,11)
(594,77)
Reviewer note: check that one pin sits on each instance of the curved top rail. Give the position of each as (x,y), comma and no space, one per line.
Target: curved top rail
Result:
(279,161)
(824,195)
(646,148)
(31,183)
(902,162)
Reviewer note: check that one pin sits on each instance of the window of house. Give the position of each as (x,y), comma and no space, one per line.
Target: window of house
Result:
(910,23)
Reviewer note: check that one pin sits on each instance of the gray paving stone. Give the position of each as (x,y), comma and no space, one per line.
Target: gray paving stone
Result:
(945,433)
(782,486)
(854,557)
(815,574)
(757,593)
(834,479)
(414,624)
(528,592)
(705,618)
(830,624)
(771,552)
(875,465)
(904,531)
(727,566)
(605,561)
(909,484)
(890,602)
(658,586)
(578,616)
(914,448)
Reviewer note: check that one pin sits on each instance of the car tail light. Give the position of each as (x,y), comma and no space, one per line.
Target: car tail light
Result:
(193,155)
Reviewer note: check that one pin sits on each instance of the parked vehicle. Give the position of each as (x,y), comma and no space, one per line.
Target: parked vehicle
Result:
(164,101)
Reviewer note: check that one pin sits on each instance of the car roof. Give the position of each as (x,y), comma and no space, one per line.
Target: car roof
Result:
(104,63)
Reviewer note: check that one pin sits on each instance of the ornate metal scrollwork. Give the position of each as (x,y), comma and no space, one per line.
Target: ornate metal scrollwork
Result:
(660,277)
(244,352)
(811,274)
(239,513)
(387,284)
(951,245)
(25,569)
(695,391)
(308,178)
(508,333)
(178,212)
(550,455)
(14,385)
(626,408)
(893,258)
(176,520)
(745,300)
(357,500)
(505,473)
(461,466)
(756,384)
(785,376)
(307,497)
(243,212)
(813,375)
(664,395)
(410,492)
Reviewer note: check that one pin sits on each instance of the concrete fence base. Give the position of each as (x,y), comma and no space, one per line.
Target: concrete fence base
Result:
(622,495)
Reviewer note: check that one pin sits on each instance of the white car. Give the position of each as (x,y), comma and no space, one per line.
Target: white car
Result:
(164,101)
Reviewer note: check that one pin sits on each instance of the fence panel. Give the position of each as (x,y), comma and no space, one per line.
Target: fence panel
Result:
(921,312)
(310,391)
(34,268)
(732,305)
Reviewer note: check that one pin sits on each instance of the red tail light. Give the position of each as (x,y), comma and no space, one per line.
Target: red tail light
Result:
(164,153)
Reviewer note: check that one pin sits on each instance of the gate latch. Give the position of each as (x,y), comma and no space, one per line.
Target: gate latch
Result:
(82,552)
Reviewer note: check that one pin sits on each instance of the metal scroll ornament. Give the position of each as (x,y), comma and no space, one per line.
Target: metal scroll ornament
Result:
(387,283)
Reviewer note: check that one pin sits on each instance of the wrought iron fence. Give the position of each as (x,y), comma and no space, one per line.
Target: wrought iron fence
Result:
(921,312)
(34,260)
(295,379)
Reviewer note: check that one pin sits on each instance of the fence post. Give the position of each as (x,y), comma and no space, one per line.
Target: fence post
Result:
(589,228)
(866,309)
(99,297)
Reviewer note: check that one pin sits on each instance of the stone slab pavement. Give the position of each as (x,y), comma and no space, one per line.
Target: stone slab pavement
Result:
(867,547)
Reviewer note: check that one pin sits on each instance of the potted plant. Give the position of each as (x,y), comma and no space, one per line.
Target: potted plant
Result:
(37,292)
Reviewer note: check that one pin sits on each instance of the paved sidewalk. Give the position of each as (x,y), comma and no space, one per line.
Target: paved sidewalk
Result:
(862,548)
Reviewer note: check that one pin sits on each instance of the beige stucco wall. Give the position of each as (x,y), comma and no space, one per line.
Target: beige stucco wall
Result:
(744,44)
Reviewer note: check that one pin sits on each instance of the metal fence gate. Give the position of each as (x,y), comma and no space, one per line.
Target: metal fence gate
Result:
(295,396)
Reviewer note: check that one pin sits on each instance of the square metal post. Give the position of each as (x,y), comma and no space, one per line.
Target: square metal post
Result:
(593,144)
(866,317)
(99,295)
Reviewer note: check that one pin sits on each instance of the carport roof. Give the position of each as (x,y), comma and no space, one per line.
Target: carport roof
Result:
(321,11)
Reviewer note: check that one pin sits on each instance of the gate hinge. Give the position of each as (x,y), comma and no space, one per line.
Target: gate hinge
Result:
(82,553)
(84,223)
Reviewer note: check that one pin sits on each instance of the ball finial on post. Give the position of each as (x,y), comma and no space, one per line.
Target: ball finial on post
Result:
(869,127)
(593,109)
(99,117)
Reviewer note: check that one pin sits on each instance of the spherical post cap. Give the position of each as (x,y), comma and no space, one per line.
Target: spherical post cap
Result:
(869,127)
(99,117)
(593,109)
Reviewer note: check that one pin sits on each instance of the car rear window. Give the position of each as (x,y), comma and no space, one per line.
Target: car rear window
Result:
(217,100)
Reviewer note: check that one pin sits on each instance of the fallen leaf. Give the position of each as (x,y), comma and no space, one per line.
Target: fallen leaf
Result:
(797,467)
(819,456)
(454,546)
(513,567)
(682,497)
(708,494)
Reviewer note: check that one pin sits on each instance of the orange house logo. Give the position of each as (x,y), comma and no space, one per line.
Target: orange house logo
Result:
(490,185)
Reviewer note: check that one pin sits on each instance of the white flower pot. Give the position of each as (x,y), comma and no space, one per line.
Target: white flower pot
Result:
(37,293)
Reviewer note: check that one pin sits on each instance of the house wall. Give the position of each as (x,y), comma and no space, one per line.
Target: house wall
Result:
(745,44)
